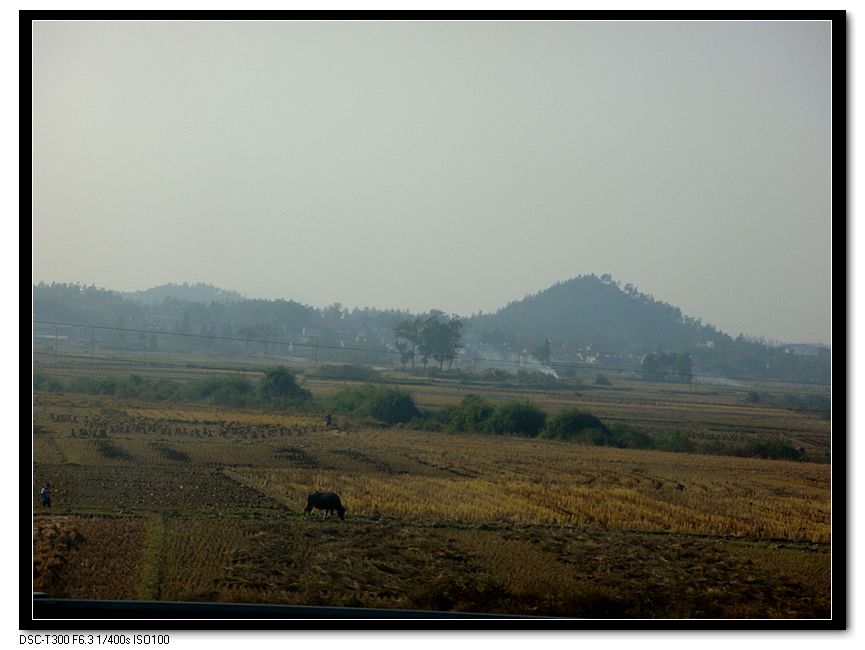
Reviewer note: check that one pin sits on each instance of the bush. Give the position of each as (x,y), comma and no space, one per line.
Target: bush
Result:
(43,382)
(132,386)
(674,441)
(622,435)
(426,422)
(471,416)
(279,388)
(819,404)
(346,400)
(775,449)
(573,424)
(517,417)
(387,405)
(95,386)
(226,391)
(392,406)
(164,389)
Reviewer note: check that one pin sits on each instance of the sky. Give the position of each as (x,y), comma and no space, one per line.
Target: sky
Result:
(437,164)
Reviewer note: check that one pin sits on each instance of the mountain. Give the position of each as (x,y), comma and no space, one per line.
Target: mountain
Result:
(595,320)
(595,311)
(584,320)
(198,292)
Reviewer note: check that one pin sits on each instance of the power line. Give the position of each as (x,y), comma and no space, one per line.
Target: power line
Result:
(209,336)
(316,346)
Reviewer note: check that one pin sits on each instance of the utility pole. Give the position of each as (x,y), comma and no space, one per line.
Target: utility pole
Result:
(56,343)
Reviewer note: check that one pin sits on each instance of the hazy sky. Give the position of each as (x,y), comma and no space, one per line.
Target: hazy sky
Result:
(441,165)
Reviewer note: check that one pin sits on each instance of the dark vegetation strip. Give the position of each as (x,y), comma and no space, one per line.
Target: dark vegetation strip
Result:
(375,405)
(278,390)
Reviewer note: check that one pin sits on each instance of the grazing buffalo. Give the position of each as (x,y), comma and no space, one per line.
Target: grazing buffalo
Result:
(327,501)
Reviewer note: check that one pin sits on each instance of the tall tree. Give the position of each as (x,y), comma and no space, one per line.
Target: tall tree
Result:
(683,368)
(668,367)
(440,339)
(407,334)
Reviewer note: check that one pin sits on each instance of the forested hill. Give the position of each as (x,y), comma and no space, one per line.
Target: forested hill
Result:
(597,311)
(595,319)
(198,292)
(585,320)
(216,323)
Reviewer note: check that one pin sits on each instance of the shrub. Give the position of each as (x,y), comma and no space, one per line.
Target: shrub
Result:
(95,385)
(819,404)
(471,416)
(164,389)
(226,391)
(43,382)
(674,441)
(622,435)
(517,417)
(426,422)
(387,405)
(777,449)
(573,424)
(392,406)
(132,386)
(279,388)
(717,448)
(346,400)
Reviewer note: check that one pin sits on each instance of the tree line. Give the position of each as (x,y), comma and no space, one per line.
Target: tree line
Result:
(373,405)
(435,337)
(278,389)
(667,367)
(588,317)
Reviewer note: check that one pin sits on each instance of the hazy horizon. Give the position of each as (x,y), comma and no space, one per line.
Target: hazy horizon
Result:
(264,294)
(450,165)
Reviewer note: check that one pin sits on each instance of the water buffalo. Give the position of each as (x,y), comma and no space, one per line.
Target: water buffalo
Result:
(327,501)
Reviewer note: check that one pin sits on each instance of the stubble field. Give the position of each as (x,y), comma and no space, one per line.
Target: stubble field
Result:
(190,502)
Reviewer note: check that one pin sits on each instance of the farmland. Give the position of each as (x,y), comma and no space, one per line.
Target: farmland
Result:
(198,502)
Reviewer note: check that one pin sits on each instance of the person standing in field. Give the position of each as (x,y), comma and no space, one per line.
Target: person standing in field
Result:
(45,493)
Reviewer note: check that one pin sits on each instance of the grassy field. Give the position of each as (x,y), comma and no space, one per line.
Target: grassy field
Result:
(197,502)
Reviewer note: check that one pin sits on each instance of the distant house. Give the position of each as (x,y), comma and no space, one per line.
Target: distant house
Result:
(50,337)
(319,334)
(805,349)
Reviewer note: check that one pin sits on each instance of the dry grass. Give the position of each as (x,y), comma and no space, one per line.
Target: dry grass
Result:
(477,479)
(536,570)
(435,521)
(704,412)
(88,557)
